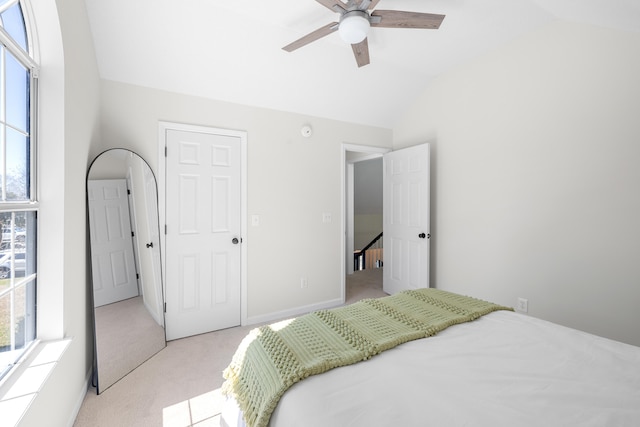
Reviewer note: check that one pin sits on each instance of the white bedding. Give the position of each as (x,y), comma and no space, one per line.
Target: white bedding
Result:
(502,369)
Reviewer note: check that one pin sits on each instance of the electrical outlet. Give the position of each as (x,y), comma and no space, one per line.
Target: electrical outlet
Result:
(523,305)
(304,284)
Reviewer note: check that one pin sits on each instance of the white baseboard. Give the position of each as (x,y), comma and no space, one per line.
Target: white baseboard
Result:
(80,399)
(286,314)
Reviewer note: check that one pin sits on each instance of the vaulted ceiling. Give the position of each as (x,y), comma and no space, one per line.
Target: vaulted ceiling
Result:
(232,50)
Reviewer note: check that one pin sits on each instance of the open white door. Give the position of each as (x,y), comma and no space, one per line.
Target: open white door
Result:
(203,236)
(406,219)
(113,264)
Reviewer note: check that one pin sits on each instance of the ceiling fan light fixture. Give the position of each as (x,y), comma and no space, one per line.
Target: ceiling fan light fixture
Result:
(354,26)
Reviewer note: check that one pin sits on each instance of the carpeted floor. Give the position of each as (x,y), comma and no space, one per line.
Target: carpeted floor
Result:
(179,386)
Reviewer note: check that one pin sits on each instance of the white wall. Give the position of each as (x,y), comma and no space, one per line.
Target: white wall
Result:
(367,201)
(365,229)
(68,125)
(536,176)
(292,181)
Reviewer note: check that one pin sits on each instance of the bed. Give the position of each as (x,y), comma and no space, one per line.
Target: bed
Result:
(501,368)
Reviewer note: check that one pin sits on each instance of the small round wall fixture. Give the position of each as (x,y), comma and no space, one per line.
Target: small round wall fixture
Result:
(306,131)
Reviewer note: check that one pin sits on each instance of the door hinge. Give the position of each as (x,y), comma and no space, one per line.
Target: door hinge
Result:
(137,275)
(165,151)
(128,192)
(165,229)
(133,234)
(165,307)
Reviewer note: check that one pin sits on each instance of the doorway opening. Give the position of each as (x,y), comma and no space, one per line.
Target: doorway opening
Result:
(352,235)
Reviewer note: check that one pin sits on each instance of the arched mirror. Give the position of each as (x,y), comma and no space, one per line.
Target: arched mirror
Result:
(122,203)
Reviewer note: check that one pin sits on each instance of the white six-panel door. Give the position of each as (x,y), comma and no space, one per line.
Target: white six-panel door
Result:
(406,219)
(203,236)
(112,260)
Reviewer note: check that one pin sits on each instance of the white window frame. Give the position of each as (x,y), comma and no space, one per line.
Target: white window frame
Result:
(28,62)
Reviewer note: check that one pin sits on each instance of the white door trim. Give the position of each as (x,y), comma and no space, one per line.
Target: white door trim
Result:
(369,152)
(163,127)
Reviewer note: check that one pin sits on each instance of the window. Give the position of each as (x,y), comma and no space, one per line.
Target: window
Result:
(18,201)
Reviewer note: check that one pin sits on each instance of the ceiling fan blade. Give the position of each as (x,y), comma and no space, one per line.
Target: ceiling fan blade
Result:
(334,5)
(361,52)
(311,37)
(400,19)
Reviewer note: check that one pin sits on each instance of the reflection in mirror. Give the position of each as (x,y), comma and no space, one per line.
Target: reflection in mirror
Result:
(126,273)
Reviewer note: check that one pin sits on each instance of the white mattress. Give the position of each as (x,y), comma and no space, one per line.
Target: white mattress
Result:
(502,369)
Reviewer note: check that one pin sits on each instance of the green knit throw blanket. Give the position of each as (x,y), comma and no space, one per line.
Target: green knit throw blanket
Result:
(272,358)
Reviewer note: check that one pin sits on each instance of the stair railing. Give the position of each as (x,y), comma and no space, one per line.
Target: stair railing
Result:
(375,248)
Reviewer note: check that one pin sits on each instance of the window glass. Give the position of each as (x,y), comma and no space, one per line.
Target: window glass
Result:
(17,92)
(17,167)
(17,285)
(13,21)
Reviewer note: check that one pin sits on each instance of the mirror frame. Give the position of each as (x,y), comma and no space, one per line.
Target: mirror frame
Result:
(141,355)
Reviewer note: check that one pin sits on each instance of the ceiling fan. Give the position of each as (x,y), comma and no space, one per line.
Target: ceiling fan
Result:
(355,20)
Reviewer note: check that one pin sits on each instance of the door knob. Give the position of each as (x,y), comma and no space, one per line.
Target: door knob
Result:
(150,245)
(422,235)
(235,240)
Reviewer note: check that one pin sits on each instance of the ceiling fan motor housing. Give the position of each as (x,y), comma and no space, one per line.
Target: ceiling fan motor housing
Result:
(354,26)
